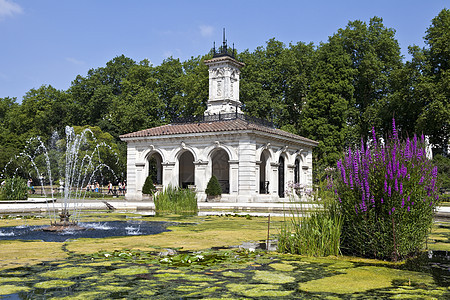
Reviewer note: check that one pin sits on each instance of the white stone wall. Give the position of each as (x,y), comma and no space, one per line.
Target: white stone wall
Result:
(244,151)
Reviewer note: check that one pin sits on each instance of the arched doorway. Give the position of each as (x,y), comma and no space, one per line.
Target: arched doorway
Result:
(221,169)
(186,170)
(263,180)
(155,168)
(281,177)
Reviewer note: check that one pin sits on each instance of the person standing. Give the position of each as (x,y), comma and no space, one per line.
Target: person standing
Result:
(110,187)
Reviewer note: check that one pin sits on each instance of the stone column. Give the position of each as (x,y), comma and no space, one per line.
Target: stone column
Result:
(201,179)
(273,186)
(234,177)
(170,175)
(140,179)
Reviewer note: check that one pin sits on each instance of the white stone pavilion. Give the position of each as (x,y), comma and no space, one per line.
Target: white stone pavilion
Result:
(253,161)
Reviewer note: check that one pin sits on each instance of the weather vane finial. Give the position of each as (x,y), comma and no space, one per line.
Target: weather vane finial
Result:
(223,50)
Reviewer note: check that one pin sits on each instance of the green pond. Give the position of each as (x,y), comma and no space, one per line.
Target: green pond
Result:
(223,273)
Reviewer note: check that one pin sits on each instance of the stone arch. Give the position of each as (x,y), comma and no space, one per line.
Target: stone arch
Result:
(155,169)
(232,154)
(220,167)
(186,169)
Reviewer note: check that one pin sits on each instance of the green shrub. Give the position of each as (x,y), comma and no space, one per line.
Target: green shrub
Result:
(213,188)
(14,189)
(149,187)
(386,194)
(176,200)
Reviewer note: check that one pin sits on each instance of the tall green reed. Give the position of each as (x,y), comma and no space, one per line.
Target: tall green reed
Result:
(176,200)
(312,233)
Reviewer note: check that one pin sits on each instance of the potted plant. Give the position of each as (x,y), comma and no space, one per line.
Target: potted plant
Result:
(148,189)
(213,190)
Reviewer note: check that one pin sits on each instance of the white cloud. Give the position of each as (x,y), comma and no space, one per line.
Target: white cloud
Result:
(74,60)
(206,30)
(9,8)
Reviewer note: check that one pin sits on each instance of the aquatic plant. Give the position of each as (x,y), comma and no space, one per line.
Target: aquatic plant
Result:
(386,193)
(315,233)
(14,189)
(176,200)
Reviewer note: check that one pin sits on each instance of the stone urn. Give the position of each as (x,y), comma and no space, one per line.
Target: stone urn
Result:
(213,198)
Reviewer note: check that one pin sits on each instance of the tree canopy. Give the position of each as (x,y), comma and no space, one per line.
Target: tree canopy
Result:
(333,92)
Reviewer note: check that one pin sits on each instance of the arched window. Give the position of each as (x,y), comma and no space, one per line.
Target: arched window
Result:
(281,177)
(155,168)
(186,169)
(297,171)
(263,178)
(221,169)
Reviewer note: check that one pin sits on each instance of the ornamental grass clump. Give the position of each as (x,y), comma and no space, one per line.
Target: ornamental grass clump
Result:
(14,189)
(387,194)
(176,200)
(309,232)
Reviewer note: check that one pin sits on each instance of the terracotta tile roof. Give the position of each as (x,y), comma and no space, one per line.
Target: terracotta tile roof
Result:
(216,126)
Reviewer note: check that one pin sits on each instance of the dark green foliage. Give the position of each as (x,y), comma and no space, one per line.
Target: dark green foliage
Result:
(443,167)
(14,189)
(328,92)
(213,188)
(176,200)
(148,187)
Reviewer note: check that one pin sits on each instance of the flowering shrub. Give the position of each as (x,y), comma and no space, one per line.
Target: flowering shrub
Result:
(386,194)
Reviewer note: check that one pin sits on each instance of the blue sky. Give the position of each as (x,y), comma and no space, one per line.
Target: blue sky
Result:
(53,41)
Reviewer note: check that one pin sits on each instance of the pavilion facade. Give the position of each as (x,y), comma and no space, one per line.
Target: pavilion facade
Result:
(253,161)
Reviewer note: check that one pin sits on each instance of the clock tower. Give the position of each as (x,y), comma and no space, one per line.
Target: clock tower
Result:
(223,81)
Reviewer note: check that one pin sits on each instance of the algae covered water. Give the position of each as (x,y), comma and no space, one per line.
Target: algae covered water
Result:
(214,274)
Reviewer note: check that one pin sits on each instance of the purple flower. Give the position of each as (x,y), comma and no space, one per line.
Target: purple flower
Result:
(374,137)
(389,191)
(394,129)
(382,201)
(401,188)
(434,172)
(396,185)
(408,208)
(393,209)
(421,180)
(403,202)
(385,186)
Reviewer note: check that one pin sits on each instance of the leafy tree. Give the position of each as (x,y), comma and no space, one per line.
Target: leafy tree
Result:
(329,109)
(169,86)
(375,55)
(434,86)
(42,111)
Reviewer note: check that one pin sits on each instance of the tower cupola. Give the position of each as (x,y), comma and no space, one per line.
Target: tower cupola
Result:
(224,71)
